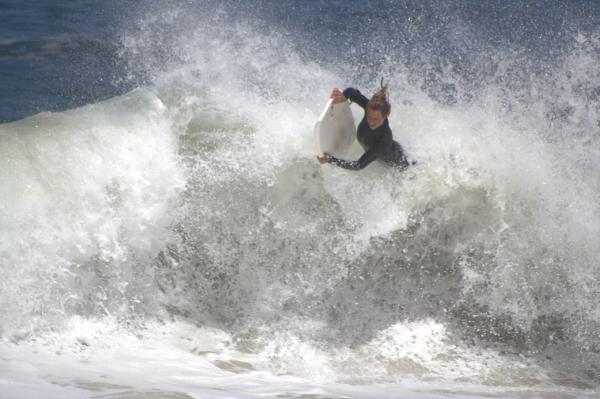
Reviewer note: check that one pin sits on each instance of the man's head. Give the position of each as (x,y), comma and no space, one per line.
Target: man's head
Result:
(378,108)
(375,118)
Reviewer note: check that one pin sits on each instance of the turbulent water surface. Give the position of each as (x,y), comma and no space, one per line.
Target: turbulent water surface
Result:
(166,231)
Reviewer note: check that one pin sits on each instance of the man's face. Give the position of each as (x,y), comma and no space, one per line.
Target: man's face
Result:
(375,118)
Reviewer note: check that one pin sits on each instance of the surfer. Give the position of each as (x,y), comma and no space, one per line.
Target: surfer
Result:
(373,132)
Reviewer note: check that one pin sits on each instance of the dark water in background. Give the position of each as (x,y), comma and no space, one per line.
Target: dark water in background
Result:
(57,55)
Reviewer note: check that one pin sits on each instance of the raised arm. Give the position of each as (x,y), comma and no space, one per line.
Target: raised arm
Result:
(349,94)
(356,97)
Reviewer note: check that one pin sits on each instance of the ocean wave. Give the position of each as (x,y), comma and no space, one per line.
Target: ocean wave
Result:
(198,197)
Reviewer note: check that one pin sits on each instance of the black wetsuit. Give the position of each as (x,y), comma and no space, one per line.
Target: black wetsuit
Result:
(378,143)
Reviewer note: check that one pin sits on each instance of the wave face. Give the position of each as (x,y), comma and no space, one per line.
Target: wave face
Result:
(198,197)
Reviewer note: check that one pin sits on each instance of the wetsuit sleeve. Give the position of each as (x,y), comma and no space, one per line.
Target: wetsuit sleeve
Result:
(362,162)
(356,97)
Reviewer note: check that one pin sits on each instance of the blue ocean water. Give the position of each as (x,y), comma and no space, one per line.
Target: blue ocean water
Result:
(57,55)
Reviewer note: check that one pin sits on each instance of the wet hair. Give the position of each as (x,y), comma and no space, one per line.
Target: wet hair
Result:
(380,101)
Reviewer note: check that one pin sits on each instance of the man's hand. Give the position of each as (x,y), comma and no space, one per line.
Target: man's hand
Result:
(324,159)
(337,95)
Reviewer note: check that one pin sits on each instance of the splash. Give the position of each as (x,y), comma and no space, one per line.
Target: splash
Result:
(198,198)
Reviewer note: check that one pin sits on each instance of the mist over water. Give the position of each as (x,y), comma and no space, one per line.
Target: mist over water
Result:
(196,198)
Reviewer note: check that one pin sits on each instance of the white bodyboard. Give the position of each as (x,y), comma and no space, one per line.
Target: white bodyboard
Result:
(335,130)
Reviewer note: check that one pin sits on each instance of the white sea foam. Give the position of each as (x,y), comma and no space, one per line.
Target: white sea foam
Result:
(183,240)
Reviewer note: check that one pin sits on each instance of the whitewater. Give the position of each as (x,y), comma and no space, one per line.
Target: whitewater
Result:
(181,240)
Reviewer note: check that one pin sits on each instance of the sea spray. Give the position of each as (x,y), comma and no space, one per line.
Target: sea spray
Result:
(199,200)
(86,198)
